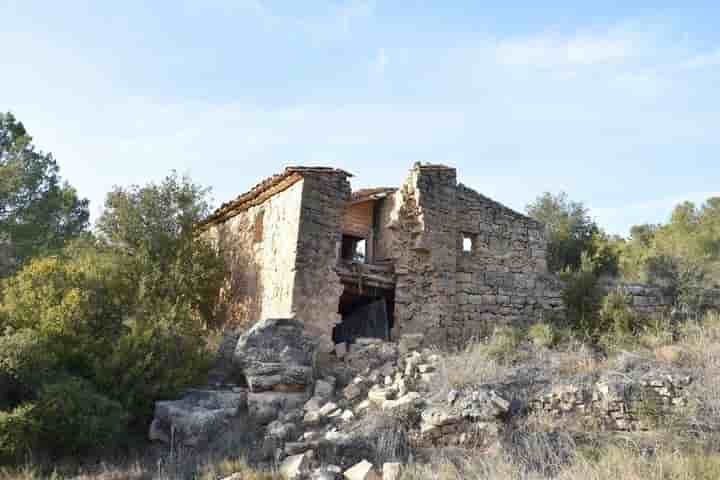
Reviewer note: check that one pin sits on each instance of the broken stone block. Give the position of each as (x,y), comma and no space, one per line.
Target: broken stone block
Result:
(378,395)
(197,417)
(327,409)
(295,466)
(325,388)
(347,415)
(439,416)
(391,471)
(404,401)
(353,391)
(361,471)
(276,355)
(313,404)
(266,406)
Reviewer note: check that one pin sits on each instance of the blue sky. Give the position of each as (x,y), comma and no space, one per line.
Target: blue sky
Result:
(617,105)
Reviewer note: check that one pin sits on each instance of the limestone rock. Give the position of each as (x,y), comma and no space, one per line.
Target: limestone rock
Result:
(197,417)
(402,402)
(266,406)
(325,388)
(276,355)
(295,466)
(361,471)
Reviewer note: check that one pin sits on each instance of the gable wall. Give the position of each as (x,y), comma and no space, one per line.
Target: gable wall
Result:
(261,274)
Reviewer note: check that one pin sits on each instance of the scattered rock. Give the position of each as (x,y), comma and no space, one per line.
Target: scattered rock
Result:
(295,466)
(362,471)
(404,401)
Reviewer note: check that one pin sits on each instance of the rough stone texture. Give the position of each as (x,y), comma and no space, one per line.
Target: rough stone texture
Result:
(317,287)
(276,355)
(197,417)
(261,271)
(618,401)
(362,471)
(446,293)
(653,300)
(282,239)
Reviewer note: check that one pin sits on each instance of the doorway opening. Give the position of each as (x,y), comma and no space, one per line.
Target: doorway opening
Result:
(366,313)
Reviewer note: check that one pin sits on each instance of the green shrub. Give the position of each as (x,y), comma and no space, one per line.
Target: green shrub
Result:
(155,360)
(24,364)
(19,431)
(543,335)
(582,297)
(617,315)
(74,418)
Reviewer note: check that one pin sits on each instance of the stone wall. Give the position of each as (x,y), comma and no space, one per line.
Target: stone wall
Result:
(423,248)
(449,294)
(653,300)
(317,287)
(503,278)
(259,246)
(618,401)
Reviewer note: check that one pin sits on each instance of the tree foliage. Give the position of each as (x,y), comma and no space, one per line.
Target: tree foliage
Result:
(38,211)
(571,233)
(682,256)
(95,334)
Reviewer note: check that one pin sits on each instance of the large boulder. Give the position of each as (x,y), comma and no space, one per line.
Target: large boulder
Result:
(197,417)
(276,355)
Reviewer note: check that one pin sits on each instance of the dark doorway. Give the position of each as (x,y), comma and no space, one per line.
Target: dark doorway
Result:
(365,315)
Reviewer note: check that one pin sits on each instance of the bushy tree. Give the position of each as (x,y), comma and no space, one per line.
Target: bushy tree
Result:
(38,211)
(570,233)
(154,226)
(681,256)
(98,332)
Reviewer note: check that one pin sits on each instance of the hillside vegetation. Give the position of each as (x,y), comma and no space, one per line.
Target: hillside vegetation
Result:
(96,325)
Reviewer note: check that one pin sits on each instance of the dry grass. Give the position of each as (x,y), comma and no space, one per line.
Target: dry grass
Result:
(610,463)
(163,469)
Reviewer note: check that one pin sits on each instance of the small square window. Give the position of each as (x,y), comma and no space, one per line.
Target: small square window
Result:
(467,243)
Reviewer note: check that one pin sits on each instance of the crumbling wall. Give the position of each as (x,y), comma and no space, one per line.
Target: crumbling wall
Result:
(425,254)
(503,278)
(317,287)
(259,245)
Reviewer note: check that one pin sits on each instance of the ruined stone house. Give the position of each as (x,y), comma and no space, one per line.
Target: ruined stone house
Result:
(432,256)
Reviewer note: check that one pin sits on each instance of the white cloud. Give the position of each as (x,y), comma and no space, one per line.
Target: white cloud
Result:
(706,60)
(563,51)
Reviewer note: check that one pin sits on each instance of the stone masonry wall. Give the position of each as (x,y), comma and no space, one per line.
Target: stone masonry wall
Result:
(652,300)
(503,278)
(424,252)
(317,287)
(451,295)
(261,269)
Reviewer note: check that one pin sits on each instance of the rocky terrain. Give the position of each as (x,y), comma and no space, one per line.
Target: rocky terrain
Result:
(385,410)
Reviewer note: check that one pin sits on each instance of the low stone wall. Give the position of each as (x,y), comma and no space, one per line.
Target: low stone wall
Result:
(617,401)
(653,300)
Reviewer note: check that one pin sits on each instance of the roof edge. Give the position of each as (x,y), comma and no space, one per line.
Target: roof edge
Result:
(264,190)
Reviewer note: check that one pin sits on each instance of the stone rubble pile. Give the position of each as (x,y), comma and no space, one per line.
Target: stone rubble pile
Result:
(319,426)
